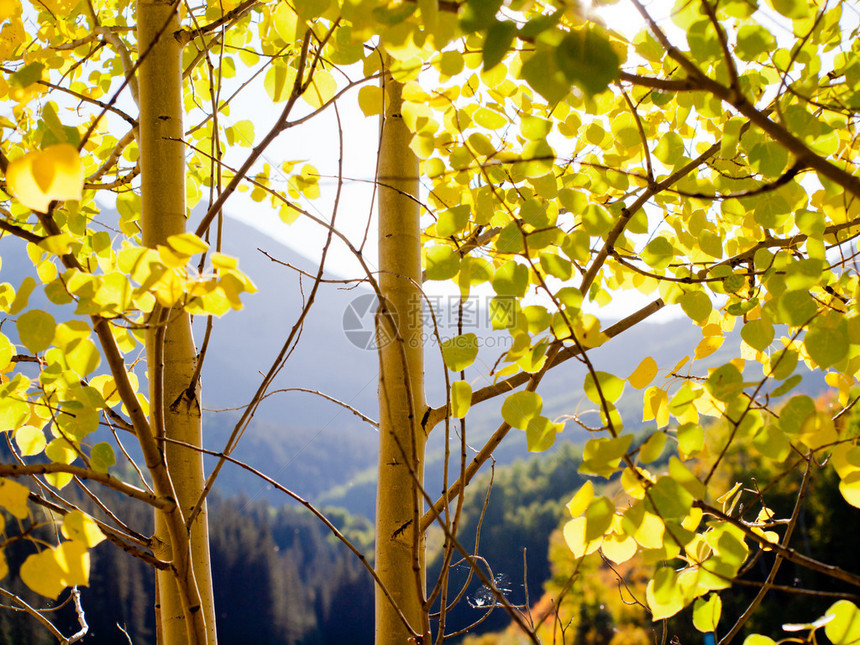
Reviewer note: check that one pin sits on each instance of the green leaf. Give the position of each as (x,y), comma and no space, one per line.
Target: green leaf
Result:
(753,41)
(663,594)
(788,386)
(768,159)
(500,35)
(22,296)
(442,262)
(731,137)
(652,448)
(102,457)
(451,63)
(670,149)
(27,75)
(510,239)
(725,383)
(772,443)
(521,407)
(601,456)
(82,356)
(556,265)
(598,517)
(452,221)
(535,128)
(511,279)
(691,439)
(541,433)
(827,340)
(610,385)
(36,329)
(791,8)
(758,334)
(460,352)
(541,72)
(539,24)
(706,613)
(308,9)
(659,253)
(797,307)
(844,628)
(77,420)
(697,305)
(794,413)
(668,499)
(478,15)
(586,57)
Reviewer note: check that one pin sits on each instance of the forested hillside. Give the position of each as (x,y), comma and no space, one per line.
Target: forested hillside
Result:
(282,580)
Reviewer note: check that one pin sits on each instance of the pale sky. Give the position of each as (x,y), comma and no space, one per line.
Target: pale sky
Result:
(316,142)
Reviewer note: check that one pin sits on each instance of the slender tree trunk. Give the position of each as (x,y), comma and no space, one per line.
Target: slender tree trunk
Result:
(162,159)
(399,504)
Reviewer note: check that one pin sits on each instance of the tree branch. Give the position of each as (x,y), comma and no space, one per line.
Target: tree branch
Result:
(17,470)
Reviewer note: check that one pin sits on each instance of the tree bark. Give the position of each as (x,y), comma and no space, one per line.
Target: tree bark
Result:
(399,503)
(175,403)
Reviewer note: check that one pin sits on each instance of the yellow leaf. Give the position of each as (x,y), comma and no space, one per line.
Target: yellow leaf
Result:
(461,398)
(73,559)
(187,244)
(664,595)
(9,9)
(850,488)
(574,536)
(286,22)
(321,90)
(81,527)
(680,364)
(818,430)
(632,485)
(13,497)
(656,406)
(706,613)
(580,501)
(42,573)
(11,37)
(38,178)
(708,346)
(370,100)
(58,244)
(30,440)
(618,548)
(650,532)
(644,374)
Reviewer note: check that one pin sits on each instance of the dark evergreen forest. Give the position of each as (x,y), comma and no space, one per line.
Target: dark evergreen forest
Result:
(282,579)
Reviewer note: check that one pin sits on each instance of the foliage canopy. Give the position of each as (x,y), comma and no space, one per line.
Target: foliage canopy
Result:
(709,162)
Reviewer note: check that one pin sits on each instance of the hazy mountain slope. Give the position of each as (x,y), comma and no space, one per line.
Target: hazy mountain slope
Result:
(313,445)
